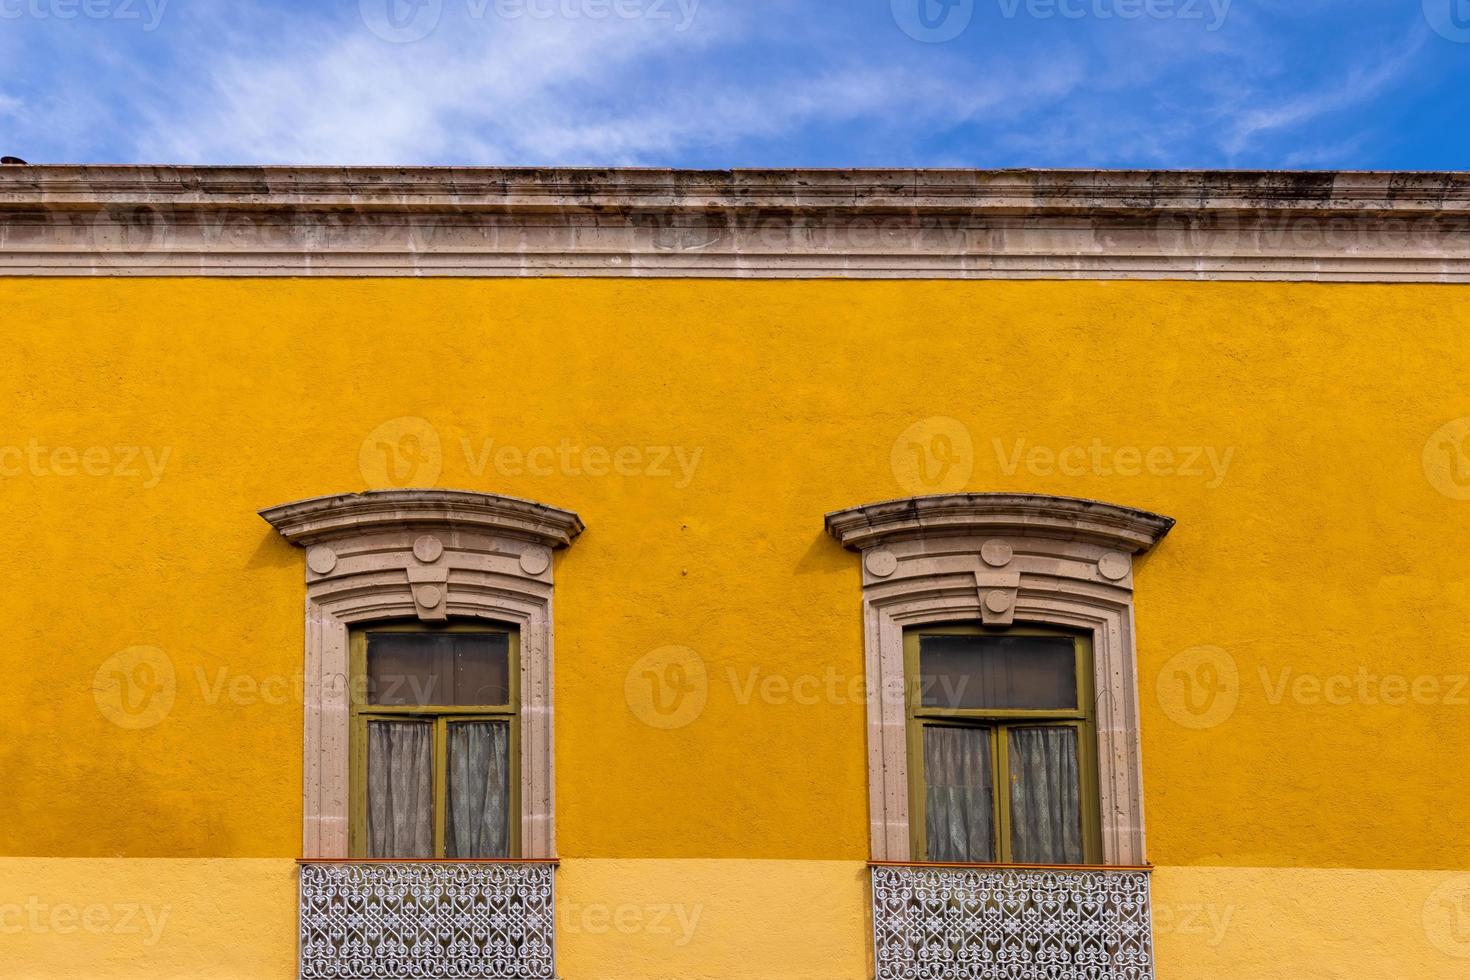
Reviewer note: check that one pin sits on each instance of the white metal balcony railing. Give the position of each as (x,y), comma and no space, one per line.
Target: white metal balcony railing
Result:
(393,919)
(957,922)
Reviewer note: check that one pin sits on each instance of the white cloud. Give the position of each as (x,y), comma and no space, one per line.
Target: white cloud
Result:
(1359,85)
(749,82)
(552,92)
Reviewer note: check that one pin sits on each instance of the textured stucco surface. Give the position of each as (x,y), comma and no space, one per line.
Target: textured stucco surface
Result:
(1323,550)
(632,919)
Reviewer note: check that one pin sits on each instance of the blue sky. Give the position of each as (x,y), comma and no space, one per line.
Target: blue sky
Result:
(740,83)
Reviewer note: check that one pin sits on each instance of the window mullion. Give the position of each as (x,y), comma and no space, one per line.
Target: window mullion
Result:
(441,781)
(1001,793)
(918,818)
(513,796)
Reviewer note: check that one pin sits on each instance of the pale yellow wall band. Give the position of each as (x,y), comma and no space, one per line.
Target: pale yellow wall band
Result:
(735,920)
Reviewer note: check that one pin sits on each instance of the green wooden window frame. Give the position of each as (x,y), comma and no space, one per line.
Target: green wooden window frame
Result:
(360,713)
(999,722)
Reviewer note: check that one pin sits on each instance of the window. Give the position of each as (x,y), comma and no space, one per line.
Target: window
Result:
(1042,685)
(428,733)
(435,743)
(428,635)
(1001,746)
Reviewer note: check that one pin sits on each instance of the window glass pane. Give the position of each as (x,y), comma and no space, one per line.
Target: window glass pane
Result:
(477,825)
(400,789)
(456,669)
(1046,808)
(1036,672)
(957,802)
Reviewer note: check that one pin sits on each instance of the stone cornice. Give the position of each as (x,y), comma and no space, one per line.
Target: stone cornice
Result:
(323,519)
(442,221)
(989,514)
(489,187)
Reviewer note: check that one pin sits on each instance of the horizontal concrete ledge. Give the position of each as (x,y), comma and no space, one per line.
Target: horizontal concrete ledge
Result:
(1039,515)
(316,519)
(922,224)
(1015,190)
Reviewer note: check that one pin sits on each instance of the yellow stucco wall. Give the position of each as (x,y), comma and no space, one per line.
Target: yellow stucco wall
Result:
(1305,704)
(716,919)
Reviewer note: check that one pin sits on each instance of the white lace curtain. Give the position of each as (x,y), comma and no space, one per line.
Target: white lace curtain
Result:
(401,789)
(1044,795)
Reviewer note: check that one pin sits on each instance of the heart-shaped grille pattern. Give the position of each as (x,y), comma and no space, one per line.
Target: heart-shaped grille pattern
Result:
(473,921)
(950,923)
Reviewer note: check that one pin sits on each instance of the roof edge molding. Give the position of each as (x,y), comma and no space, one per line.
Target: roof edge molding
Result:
(387,188)
(307,522)
(1021,514)
(1338,226)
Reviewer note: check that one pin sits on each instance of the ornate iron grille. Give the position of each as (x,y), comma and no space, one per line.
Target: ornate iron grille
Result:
(959,923)
(392,921)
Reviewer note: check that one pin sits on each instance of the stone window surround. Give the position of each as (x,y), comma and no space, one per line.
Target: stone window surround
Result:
(428,555)
(999,558)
